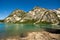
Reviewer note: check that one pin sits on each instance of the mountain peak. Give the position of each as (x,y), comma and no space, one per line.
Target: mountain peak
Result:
(36,7)
(37,15)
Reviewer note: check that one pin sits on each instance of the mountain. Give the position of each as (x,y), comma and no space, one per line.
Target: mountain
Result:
(57,12)
(36,15)
(15,16)
(42,15)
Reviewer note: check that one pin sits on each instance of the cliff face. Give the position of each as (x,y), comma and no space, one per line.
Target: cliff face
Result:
(36,15)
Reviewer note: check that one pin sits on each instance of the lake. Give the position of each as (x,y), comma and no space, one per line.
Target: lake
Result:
(7,29)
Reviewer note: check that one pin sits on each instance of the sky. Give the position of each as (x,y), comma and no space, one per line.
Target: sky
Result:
(7,6)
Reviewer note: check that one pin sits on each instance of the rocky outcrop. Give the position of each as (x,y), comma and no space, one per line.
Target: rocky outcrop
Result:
(37,15)
(15,16)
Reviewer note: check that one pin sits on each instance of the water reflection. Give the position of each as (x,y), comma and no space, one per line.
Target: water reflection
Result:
(16,29)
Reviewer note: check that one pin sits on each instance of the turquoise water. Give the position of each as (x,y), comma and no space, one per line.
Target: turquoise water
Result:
(16,29)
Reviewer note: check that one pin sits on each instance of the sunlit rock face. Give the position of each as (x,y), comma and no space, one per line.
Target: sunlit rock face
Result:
(37,12)
(15,16)
(36,15)
(58,12)
(48,16)
(42,15)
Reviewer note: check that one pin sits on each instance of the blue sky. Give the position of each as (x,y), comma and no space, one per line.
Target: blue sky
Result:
(7,6)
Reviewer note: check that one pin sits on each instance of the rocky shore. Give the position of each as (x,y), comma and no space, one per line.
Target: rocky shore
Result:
(42,35)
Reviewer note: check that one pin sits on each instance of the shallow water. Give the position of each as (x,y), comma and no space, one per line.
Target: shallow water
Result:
(17,29)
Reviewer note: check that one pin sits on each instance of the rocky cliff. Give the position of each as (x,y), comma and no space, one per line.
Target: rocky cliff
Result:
(36,15)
